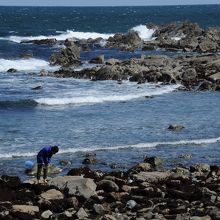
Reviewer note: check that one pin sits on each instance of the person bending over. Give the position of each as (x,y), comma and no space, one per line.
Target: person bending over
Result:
(43,159)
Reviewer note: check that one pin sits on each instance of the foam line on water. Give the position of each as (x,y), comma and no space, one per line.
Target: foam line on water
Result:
(60,37)
(32,64)
(121,147)
(104,97)
(142,30)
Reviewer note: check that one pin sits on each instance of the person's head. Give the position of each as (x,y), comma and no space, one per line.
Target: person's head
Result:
(55,149)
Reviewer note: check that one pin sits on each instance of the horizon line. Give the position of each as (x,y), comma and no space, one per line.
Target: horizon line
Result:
(196,4)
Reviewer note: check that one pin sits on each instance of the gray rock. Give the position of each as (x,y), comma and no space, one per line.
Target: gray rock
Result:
(81,214)
(207,46)
(131,204)
(108,186)
(189,74)
(69,56)
(200,168)
(75,185)
(151,177)
(189,43)
(52,194)
(142,167)
(46,214)
(25,211)
(99,209)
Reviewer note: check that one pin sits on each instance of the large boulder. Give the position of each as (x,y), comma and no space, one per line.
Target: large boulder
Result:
(129,41)
(75,185)
(69,56)
(108,73)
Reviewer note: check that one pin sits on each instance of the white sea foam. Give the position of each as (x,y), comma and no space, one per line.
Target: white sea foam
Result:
(121,147)
(144,32)
(100,98)
(59,37)
(25,65)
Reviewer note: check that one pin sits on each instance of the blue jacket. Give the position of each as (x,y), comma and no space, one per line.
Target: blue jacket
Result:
(44,155)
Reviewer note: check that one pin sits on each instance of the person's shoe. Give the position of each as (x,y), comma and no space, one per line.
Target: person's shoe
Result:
(45,181)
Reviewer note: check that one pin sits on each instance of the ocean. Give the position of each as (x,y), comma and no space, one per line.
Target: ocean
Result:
(117,122)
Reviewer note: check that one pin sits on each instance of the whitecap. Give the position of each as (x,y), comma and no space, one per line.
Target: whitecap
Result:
(101,98)
(144,32)
(32,64)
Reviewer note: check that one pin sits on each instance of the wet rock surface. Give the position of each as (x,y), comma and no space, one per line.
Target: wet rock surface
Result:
(132,194)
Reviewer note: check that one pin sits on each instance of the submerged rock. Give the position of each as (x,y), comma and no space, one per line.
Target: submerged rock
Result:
(175,127)
(11,70)
(50,41)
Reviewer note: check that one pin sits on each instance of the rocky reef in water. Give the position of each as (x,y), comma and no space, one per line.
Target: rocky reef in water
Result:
(145,191)
(199,71)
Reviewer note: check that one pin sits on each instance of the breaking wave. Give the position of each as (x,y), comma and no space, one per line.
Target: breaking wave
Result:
(104,97)
(25,65)
(110,148)
(142,30)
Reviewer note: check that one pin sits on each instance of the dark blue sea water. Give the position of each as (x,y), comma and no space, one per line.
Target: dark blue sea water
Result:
(115,121)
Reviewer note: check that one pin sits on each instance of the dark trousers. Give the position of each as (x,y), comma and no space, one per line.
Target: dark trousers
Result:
(41,166)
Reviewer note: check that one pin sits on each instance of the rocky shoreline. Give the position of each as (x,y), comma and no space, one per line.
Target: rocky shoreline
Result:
(146,191)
